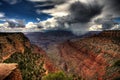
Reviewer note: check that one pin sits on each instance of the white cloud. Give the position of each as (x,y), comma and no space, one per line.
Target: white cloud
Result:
(13,20)
(4,25)
(8,29)
(1,25)
(13,1)
(116,27)
(96,27)
(38,19)
(49,23)
(2,15)
(60,10)
(31,25)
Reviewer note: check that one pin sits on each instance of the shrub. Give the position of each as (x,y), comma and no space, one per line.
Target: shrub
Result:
(56,76)
(117,63)
(118,78)
(27,63)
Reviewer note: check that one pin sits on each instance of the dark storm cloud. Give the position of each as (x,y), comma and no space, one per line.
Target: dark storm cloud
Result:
(113,5)
(83,13)
(59,1)
(111,12)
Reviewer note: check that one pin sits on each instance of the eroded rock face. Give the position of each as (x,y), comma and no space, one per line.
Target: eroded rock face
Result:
(48,65)
(9,72)
(15,45)
(11,43)
(93,58)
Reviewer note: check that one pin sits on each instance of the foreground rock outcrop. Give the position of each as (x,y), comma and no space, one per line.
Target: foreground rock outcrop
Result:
(10,72)
(93,58)
(31,61)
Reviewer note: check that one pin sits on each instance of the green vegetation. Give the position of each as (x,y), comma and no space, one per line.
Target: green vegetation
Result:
(30,68)
(61,76)
(57,76)
(118,78)
(117,63)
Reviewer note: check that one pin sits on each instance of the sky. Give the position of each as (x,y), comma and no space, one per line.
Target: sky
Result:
(22,9)
(78,16)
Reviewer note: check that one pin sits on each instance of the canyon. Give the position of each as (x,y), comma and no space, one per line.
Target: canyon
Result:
(94,57)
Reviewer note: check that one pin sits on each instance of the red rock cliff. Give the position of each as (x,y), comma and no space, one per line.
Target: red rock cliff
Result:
(11,43)
(93,58)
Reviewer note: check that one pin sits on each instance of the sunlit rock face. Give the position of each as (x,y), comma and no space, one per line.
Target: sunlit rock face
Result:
(11,43)
(93,58)
(10,72)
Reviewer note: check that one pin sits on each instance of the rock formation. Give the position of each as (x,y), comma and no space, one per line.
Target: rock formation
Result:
(11,43)
(15,45)
(10,72)
(93,58)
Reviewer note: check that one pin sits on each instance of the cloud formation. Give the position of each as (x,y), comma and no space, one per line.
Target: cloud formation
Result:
(12,2)
(29,27)
(83,13)
(79,16)
(113,6)
(74,15)
(2,15)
